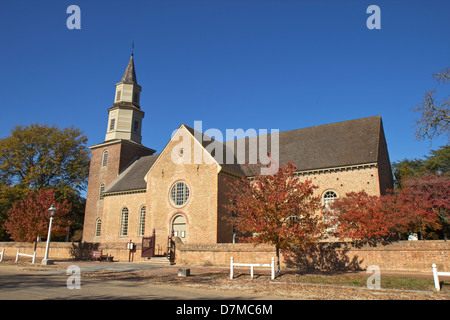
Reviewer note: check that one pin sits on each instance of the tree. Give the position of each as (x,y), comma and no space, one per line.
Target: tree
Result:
(277,209)
(29,218)
(40,157)
(434,190)
(436,163)
(434,115)
(359,217)
(420,206)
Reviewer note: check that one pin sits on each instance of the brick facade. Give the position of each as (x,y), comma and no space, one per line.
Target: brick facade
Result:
(120,155)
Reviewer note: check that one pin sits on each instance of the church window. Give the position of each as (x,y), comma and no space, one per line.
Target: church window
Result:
(105,158)
(119,94)
(136,126)
(136,98)
(98,227)
(124,223)
(142,221)
(328,198)
(179,193)
(112,124)
(102,190)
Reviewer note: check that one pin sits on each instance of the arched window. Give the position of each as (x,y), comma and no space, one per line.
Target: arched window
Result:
(105,158)
(328,198)
(102,189)
(98,227)
(123,232)
(179,193)
(141,230)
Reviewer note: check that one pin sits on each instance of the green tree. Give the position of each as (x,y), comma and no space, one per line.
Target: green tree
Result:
(42,157)
(437,162)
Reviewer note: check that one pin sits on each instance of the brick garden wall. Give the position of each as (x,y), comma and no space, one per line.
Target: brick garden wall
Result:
(399,256)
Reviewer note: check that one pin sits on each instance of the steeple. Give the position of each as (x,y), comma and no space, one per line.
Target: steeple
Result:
(125,116)
(130,74)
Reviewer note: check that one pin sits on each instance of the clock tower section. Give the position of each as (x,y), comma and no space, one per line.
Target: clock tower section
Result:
(122,145)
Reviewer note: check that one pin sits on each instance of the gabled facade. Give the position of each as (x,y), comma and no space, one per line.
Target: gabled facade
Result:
(139,191)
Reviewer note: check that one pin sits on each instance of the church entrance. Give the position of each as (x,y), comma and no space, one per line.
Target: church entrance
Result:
(179,226)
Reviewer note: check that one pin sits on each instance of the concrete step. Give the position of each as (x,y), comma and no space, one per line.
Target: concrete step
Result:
(159,261)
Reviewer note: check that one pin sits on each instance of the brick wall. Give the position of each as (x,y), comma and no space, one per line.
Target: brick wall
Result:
(398,256)
(410,256)
(120,155)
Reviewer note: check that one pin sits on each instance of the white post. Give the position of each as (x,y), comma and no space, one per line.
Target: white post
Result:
(34,257)
(251,271)
(17,255)
(272,266)
(231,268)
(45,260)
(3,253)
(436,278)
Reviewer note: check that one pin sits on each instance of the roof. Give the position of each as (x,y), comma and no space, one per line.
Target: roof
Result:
(132,178)
(339,144)
(130,74)
(332,145)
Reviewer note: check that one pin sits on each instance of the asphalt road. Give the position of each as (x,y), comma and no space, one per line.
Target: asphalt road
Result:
(17,283)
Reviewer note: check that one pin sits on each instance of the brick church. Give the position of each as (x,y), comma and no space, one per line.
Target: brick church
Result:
(133,190)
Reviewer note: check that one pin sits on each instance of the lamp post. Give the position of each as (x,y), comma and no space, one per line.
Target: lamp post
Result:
(51,211)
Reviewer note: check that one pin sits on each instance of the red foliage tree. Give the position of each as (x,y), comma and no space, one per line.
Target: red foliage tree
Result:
(277,209)
(29,218)
(421,205)
(358,216)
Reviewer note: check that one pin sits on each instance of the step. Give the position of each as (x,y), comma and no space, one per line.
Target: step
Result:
(159,261)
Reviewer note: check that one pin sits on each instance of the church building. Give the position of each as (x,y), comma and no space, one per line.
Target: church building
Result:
(134,192)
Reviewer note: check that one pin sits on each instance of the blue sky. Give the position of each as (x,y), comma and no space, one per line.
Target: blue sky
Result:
(262,64)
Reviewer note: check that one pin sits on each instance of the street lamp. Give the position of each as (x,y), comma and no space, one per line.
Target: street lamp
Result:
(51,211)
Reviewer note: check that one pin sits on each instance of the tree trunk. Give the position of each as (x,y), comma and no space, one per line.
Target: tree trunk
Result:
(278,269)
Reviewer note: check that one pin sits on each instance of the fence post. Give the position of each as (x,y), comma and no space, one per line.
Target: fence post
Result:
(3,253)
(231,268)
(436,278)
(34,257)
(272,267)
(17,255)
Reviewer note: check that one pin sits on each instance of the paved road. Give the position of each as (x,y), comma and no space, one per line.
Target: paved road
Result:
(19,283)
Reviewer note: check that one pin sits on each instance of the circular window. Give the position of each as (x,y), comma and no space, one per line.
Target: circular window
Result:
(179,193)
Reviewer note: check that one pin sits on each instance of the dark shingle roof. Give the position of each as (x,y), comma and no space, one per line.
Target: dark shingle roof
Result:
(328,146)
(132,178)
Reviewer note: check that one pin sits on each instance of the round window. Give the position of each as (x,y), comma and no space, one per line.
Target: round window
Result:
(179,193)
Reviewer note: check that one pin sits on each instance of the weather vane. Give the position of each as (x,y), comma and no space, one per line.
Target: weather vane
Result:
(132,48)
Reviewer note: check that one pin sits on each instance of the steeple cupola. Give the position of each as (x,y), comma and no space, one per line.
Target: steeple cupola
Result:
(125,116)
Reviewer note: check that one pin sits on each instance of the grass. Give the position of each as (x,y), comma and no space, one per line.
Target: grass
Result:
(360,280)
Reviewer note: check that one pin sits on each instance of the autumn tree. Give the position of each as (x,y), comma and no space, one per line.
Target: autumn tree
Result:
(359,217)
(419,207)
(277,209)
(42,157)
(29,218)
